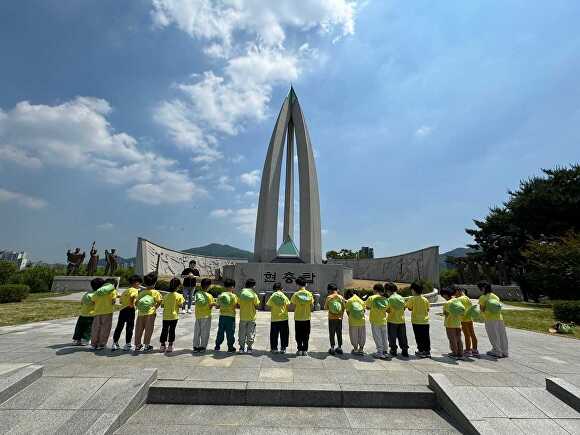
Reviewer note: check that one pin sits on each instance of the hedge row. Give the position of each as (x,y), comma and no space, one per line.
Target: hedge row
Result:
(568,311)
(13,293)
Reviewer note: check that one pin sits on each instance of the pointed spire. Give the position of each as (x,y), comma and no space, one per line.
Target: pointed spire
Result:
(292,95)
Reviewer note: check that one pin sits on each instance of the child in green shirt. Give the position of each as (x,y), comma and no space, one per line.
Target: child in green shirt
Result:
(377,304)
(126,317)
(355,309)
(204,301)
(493,318)
(335,304)
(171,303)
(227,302)
(303,302)
(467,325)
(82,333)
(452,326)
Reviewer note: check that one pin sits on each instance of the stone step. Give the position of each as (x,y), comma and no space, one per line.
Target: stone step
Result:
(291,394)
(14,381)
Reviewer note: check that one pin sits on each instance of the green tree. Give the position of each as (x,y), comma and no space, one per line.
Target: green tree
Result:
(7,269)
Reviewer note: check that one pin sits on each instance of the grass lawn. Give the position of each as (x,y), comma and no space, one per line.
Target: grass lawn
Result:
(538,318)
(35,308)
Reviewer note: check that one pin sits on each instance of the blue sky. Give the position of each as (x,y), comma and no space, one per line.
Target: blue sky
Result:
(151,118)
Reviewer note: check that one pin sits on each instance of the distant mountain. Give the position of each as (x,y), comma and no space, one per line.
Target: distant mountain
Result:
(217,250)
(457,252)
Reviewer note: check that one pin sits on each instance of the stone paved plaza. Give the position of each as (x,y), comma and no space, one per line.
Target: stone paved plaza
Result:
(75,378)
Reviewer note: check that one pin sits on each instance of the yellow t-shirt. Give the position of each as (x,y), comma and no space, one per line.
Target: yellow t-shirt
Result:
(329,298)
(489,316)
(128,295)
(204,311)
(302,311)
(87,310)
(156,297)
(171,304)
(451,321)
(378,316)
(352,321)
(396,315)
(104,304)
(278,312)
(229,310)
(419,307)
(248,307)
(466,302)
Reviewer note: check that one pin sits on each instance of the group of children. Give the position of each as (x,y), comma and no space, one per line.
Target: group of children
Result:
(386,309)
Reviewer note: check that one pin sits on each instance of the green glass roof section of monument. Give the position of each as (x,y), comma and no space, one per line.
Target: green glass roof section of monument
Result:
(288,249)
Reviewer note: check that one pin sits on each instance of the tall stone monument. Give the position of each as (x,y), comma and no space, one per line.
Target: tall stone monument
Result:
(285,262)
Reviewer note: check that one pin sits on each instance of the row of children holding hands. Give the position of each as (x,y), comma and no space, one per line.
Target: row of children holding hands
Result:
(386,316)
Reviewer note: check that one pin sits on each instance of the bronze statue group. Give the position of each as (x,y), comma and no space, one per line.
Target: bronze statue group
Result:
(385,307)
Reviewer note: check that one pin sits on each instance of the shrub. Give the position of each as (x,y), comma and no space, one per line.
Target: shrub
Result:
(124,273)
(568,311)
(13,293)
(7,270)
(448,277)
(38,278)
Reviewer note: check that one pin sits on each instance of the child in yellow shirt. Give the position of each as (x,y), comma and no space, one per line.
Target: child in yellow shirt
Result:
(377,304)
(204,301)
(355,309)
(452,325)
(396,328)
(467,325)
(248,301)
(303,302)
(335,305)
(278,303)
(148,301)
(227,302)
(171,303)
(126,317)
(104,299)
(419,307)
(82,333)
(494,324)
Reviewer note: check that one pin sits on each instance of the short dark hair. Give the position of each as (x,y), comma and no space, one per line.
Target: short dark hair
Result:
(379,288)
(205,283)
(391,287)
(445,292)
(277,286)
(349,294)
(484,286)
(300,282)
(250,283)
(97,283)
(193,261)
(135,279)
(150,279)
(229,283)
(332,287)
(174,284)
(417,287)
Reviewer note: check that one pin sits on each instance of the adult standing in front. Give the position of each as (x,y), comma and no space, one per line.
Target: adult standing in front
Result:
(189,275)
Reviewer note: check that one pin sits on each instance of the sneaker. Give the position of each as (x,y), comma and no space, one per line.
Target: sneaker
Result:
(93,347)
(138,348)
(393,353)
(202,349)
(85,342)
(249,350)
(331,351)
(339,351)
(475,353)
(127,347)
(354,352)
(115,346)
(232,349)
(494,354)
(217,348)
(242,350)
(148,348)
(304,353)
(378,355)
(274,351)
(170,348)
(189,311)
(162,348)
(77,343)
(405,354)
(419,354)
(298,353)
(361,351)
(100,347)
(183,311)
(467,354)
(283,351)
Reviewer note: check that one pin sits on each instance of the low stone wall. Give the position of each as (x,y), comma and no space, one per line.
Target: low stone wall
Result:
(171,262)
(77,283)
(505,292)
(422,264)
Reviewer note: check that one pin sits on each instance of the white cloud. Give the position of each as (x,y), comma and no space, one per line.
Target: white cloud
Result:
(423,131)
(249,35)
(22,199)
(105,226)
(224,183)
(251,178)
(218,21)
(243,219)
(77,134)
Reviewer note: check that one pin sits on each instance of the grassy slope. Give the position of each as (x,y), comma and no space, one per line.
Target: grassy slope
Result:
(35,308)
